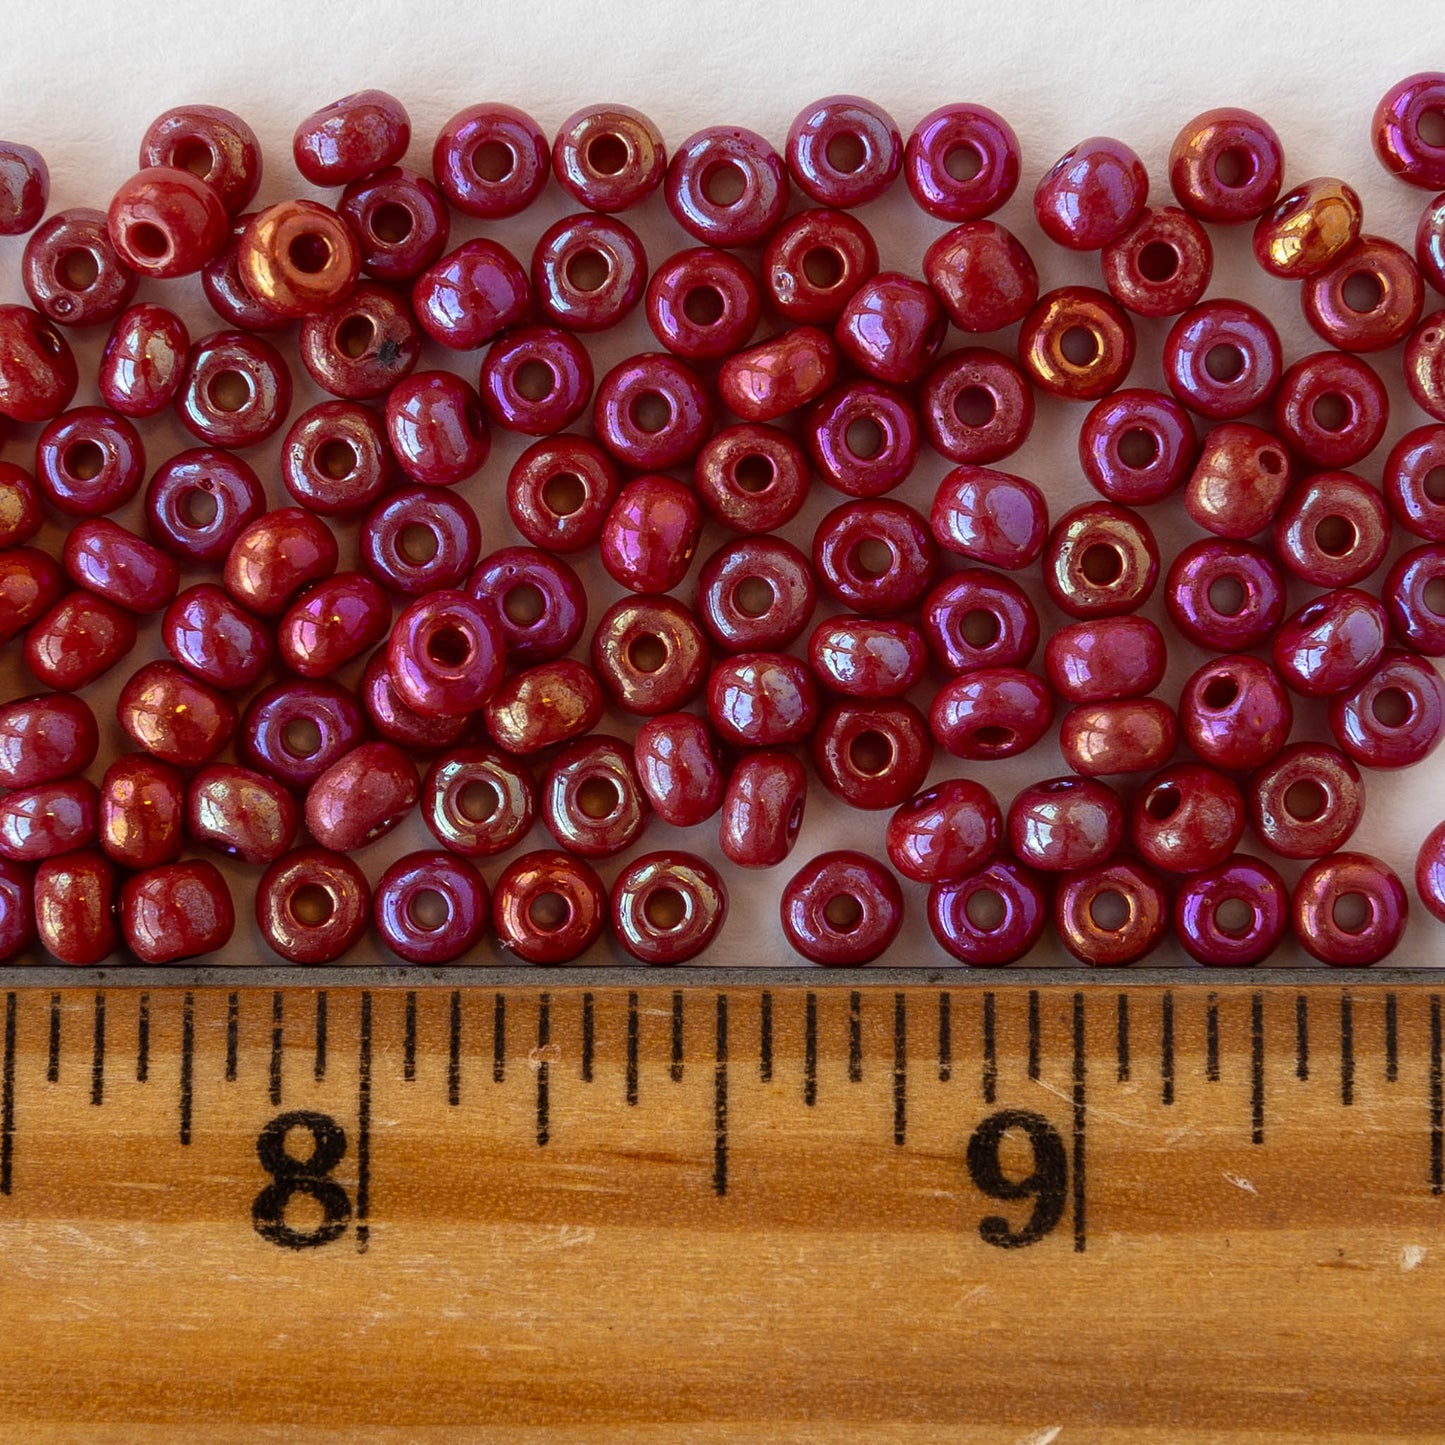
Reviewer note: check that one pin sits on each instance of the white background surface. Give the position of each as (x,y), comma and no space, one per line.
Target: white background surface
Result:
(82,85)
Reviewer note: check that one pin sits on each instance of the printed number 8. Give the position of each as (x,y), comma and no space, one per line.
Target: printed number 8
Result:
(1047,1184)
(301,1176)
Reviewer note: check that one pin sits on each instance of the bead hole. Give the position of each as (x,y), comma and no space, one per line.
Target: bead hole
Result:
(1138,449)
(1363,292)
(1158,261)
(1331,412)
(427,910)
(391,223)
(723,184)
(229,391)
(1234,917)
(598,798)
(588,270)
(1233,167)
(993,737)
(1352,912)
(665,909)
(1271,461)
(1433,596)
(311,905)
(843,913)
(77,269)
(846,152)
(549,912)
(1431,127)
(449,647)
(647,653)
(535,381)
(523,605)
(355,335)
(1392,707)
(1110,911)
(872,557)
(337,459)
(479,802)
(194,156)
(975,406)
(754,596)
(417,544)
(563,494)
(1227,596)
(1079,347)
(301,738)
(823,266)
(84,460)
(1163,802)
(1102,564)
(650,412)
(1433,484)
(1224,362)
(985,909)
(1305,801)
(755,473)
(148,240)
(963,162)
(607,154)
(493,161)
(871,753)
(310,252)
(703,306)
(1335,536)
(1219,692)
(864,438)
(197,508)
(980,628)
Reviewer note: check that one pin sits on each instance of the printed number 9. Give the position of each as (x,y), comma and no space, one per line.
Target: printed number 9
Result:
(1046,1184)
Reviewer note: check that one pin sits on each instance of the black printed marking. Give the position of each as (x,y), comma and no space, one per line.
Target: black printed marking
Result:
(499,1038)
(233,1018)
(97,1057)
(990,1052)
(589,1036)
(1256,1069)
(277,1025)
(855,1038)
(454,1051)
(1080,1120)
(1301,1037)
(1122,1042)
(544,1092)
(765,1038)
(900,1069)
(720,1101)
(1211,1039)
(408,1039)
(1392,1039)
(1033,1033)
(945,1038)
(52,1066)
(363,1113)
(188,1051)
(675,1068)
(1166,1049)
(7,1099)
(632,1027)
(143,1040)
(810,1050)
(320,1070)
(1347,1049)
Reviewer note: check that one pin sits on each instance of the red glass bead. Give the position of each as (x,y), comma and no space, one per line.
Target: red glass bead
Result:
(991,712)
(976,406)
(332,622)
(779,375)
(1088,903)
(536,380)
(141,816)
(215,638)
(1254,890)
(1226,596)
(1101,561)
(588,272)
(813,264)
(864,657)
(437,428)
(548,907)
(1367,299)
(77,640)
(609,157)
(542,706)
(431,907)
(540,603)
(1238,482)
(872,754)
(298,257)
(241,814)
(361,347)
(842,908)
(1065,823)
(335,459)
(44,738)
(891,327)
(165,222)
(275,556)
(75,901)
(1137,735)
(1396,717)
(1430,243)
(226,289)
(72,272)
(1430,872)
(726,186)
(559,492)
(491,160)
(651,654)
(1161,265)
(396,721)
(1105,659)
(651,533)
(200,501)
(89,461)
(445,654)
(1332,644)
(976,618)
(1235,713)
(400,221)
(1332,408)
(762,699)
(962,162)
(703,304)
(875,557)
(751,478)
(755,594)
(1225,165)
(989,516)
(1187,818)
(652,412)
(1092,194)
(477,802)
(37,367)
(1222,359)
(679,765)
(1414,482)
(947,832)
(1077,343)
(1405,140)
(844,151)
(667,907)
(144,362)
(237,390)
(30,584)
(1410,589)
(48,819)
(213,143)
(20,510)
(1308,228)
(990,917)
(591,799)
(293,731)
(361,797)
(472,294)
(312,905)
(175,717)
(1320,898)
(24,194)
(983,275)
(1136,446)
(1333,529)
(762,808)
(17,887)
(862,437)
(114,563)
(1425,365)
(418,539)
(350,138)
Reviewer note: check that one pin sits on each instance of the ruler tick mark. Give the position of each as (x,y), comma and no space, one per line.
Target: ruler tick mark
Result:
(454,1051)
(810,1050)
(675,1068)
(97,1057)
(1347,1049)
(855,1037)
(233,1014)
(1166,1048)
(544,1037)
(1437,1102)
(1301,1037)
(52,1065)
(900,1068)
(143,1040)
(277,1029)
(1080,1120)
(7,1098)
(408,1039)
(363,1122)
(589,1036)
(632,1027)
(990,1054)
(1033,1033)
(188,1046)
(1392,1040)
(720,1101)
(499,1038)
(1256,1069)
(320,1069)
(1211,1039)
(765,1037)
(945,1037)
(1122,1044)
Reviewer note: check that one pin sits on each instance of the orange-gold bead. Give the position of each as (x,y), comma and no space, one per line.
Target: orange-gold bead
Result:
(1307,228)
(1077,342)
(298,257)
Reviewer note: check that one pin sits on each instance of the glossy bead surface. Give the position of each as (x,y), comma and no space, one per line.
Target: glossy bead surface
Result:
(983,275)
(1187,818)
(215,638)
(536,380)
(361,797)
(491,160)
(1105,659)
(1396,717)
(237,390)
(703,304)
(1065,823)
(755,594)
(1332,408)
(419,539)
(37,366)
(362,346)
(591,799)
(875,557)
(241,814)
(990,517)
(431,907)
(1411,590)
(726,186)
(1142,913)
(548,907)
(89,461)
(1414,482)
(652,412)
(679,765)
(872,754)
(651,654)
(1307,228)
(45,737)
(78,640)
(559,492)
(1235,713)
(976,618)
(335,459)
(75,898)
(1138,735)
(226,289)
(891,327)
(843,151)
(298,257)
(814,262)
(437,428)
(543,706)
(141,813)
(72,272)
(609,157)
(144,361)
(588,272)
(651,533)
(17,887)
(668,907)
(946,832)
(275,556)
(175,717)
(1430,243)
(396,721)
(312,905)
(1255,890)
(1225,165)
(1091,195)
(762,808)
(1332,644)
(848,886)
(973,140)
(540,603)
(1101,561)
(1011,910)
(477,802)
(1222,359)
(1136,446)
(1404,140)
(445,654)
(472,294)
(293,731)
(48,819)
(332,622)
(20,510)
(1430,872)
(864,657)
(363,132)
(779,375)
(400,221)
(1077,343)
(1324,887)
(1367,299)
(30,584)
(114,563)
(24,193)
(1332,530)
(762,700)
(976,406)
(862,437)
(165,222)
(991,712)
(200,501)
(751,478)
(1239,481)
(213,143)
(1161,265)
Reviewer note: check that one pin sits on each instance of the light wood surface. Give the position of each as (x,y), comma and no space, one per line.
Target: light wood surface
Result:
(599,1287)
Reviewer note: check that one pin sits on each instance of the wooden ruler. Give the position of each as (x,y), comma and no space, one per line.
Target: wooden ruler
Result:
(696,1206)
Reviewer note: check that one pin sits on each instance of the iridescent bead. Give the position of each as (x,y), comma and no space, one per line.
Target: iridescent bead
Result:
(1333,643)
(1111,914)
(1239,481)
(813,264)
(876,557)
(1187,818)
(431,907)
(651,654)
(1307,228)
(1101,561)
(976,406)
(1137,446)
(1222,359)
(990,917)
(1396,717)
(1367,299)
(477,802)
(1414,482)
(990,517)
(1137,735)
(1333,529)
(1370,896)
(977,618)
(762,808)
(983,275)
(727,186)
(1077,343)
(991,712)
(1249,888)
(548,907)
(312,905)
(680,767)
(668,907)
(844,151)
(1225,165)
(1161,265)
(1331,408)
(1235,713)
(542,706)
(946,832)
(1092,194)
(962,162)
(1063,824)
(1405,129)
(1105,659)
(591,799)
(872,755)
(867,657)
(842,908)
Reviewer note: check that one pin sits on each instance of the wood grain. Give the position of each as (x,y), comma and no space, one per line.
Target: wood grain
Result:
(598,1287)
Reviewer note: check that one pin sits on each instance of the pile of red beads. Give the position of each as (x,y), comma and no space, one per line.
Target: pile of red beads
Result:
(308,704)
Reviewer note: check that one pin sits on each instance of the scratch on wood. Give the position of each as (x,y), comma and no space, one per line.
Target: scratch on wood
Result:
(1240,1182)
(1046,1436)
(1411,1257)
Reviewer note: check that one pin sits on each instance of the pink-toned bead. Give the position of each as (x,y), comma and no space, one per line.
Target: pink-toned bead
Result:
(609,157)
(591,799)
(1077,343)
(37,367)
(78,640)
(1430,872)
(1411,587)
(237,390)
(362,346)
(1235,713)
(755,594)
(165,222)
(892,328)
(396,721)
(1063,824)
(227,291)
(762,809)
(853,885)
(1238,482)
(1396,717)
(536,380)
(275,557)
(872,754)
(175,717)
(976,406)
(844,151)
(559,492)
(332,622)
(727,186)
(335,459)
(862,437)
(30,584)
(491,160)
(991,712)
(213,143)
(876,557)
(1331,408)
(419,539)
(1333,529)
(989,516)
(44,738)
(648,892)
(72,272)
(445,654)
(1253,887)
(1161,265)
(215,638)
(976,618)
(1225,165)
(20,510)
(24,194)
(241,814)
(652,412)
(1414,482)
(1324,887)
(142,812)
(944,833)
(751,478)
(400,221)
(983,275)
(1405,129)
(1105,659)
(703,304)
(548,907)
(864,657)
(588,272)
(1012,912)
(1187,818)
(1137,735)
(1092,194)
(75,900)
(361,797)
(363,132)
(813,264)
(542,706)
(680,767)
(1136,446)
(540,603)
(970,139)
(1101,561)
(1430,243)
(779,375)
(651,533)
(1425,365)
(437,428)
(1222,359)
(144,362)
(114,563)
(89,461)
(1332,644)
(452,887)
(312,905)
(293,731)
(1366,300)
(471,294)
(48,819)
(477,802)
(651,654)
(762,700)
(1143,913)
